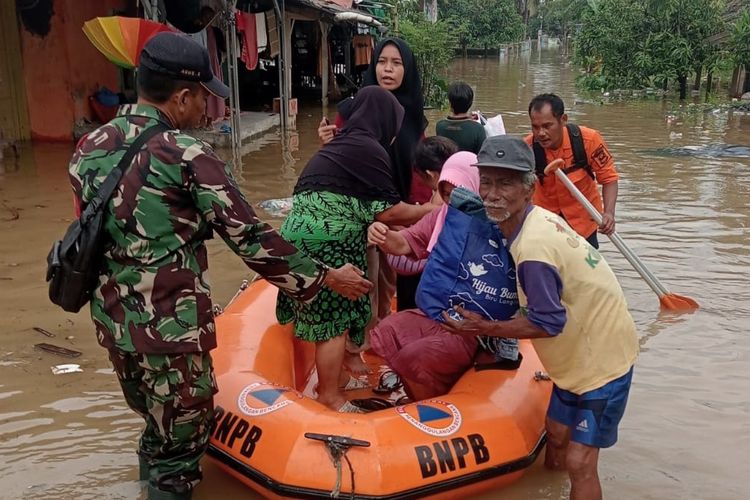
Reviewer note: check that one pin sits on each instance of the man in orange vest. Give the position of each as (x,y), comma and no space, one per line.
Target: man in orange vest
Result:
(588,162)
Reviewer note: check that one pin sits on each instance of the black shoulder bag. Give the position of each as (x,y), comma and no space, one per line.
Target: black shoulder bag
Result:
(75,262)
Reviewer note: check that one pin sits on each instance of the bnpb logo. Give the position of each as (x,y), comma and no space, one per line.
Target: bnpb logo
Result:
(433,417)
(262,398)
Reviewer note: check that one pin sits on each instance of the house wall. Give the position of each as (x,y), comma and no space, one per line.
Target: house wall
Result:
(62,68)
(14,123)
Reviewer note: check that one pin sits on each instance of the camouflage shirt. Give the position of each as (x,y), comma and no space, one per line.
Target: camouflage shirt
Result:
(153,295)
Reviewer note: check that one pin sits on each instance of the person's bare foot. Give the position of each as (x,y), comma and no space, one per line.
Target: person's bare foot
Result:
(333,401)
(354,363)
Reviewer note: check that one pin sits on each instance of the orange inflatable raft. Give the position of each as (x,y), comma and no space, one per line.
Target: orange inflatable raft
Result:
(270,435)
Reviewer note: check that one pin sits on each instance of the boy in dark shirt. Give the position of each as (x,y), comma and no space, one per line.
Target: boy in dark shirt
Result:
(459,125)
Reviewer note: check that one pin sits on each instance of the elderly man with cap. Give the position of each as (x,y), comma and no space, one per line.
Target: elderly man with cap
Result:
(152,309)
(573,310)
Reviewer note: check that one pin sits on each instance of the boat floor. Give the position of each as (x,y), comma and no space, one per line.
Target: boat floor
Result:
(377,367)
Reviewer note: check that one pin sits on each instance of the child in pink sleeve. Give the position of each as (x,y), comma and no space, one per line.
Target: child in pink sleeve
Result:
(428,358)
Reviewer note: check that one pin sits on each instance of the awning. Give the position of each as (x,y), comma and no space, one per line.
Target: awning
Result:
(336,12)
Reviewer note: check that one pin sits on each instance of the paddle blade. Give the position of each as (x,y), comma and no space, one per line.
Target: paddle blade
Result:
(674,302)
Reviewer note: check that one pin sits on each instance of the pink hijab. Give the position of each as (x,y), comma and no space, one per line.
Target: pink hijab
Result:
(458,171)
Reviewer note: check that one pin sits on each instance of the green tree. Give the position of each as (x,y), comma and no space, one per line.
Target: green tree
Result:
(644,42)
(739,40)
(432,44)
(560,17)
(485,24)
(607,44)
(496,22)
(676,37)
(458,14)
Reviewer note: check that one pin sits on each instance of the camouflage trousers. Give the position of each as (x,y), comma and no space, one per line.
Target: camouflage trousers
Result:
(174,395)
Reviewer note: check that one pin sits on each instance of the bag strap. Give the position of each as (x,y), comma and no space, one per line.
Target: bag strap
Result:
(115,176)
(540,161)
(580,158)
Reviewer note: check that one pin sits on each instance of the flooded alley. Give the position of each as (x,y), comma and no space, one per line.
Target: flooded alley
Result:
(686,432)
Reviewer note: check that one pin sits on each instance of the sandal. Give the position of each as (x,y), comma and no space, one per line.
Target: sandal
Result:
(403,400)
(388,383)
(348,407)
(355,384)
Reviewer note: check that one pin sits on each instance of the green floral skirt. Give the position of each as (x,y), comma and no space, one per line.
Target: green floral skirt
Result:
(331,228)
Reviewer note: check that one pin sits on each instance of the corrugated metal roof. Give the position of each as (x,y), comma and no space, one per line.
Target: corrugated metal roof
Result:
(328,6)
(332,8)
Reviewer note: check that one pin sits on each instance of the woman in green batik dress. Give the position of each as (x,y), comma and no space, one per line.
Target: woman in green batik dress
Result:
(345,187)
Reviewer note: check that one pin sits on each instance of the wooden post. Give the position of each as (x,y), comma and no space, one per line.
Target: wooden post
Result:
(738,84)
(280,15)
(324,69)
(698,75)
(288,37)
(348,54)
(230,35)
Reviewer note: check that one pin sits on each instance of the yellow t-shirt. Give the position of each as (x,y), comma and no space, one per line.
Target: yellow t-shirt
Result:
(598,343)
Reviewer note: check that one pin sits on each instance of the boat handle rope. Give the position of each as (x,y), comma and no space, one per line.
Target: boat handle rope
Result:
(218,310)
(337,447)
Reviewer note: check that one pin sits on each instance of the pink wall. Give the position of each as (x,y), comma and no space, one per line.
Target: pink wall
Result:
(62,69)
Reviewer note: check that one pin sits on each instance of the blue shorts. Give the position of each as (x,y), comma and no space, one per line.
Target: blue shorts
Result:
(592,416)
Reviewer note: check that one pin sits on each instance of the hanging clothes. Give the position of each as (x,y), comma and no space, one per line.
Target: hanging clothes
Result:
(246,29)
(363,46)
(215,106)
(260,31)
(273,33)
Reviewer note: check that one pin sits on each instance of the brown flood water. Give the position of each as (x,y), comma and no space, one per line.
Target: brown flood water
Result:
(685,435)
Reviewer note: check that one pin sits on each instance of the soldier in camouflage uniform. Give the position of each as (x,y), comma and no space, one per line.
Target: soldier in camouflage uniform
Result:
(152,308)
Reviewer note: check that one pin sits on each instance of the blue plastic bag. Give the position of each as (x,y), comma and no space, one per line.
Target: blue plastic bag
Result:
(106,97)
(469,266)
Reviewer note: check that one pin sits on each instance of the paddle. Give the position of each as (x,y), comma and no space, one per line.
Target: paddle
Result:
(667,300)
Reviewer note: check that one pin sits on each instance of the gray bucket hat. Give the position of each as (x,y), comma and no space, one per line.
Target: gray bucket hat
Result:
(506,151)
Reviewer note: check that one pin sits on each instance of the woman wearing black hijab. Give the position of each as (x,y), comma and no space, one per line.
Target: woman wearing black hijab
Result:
(393,67)
(408,91)
(346,186)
